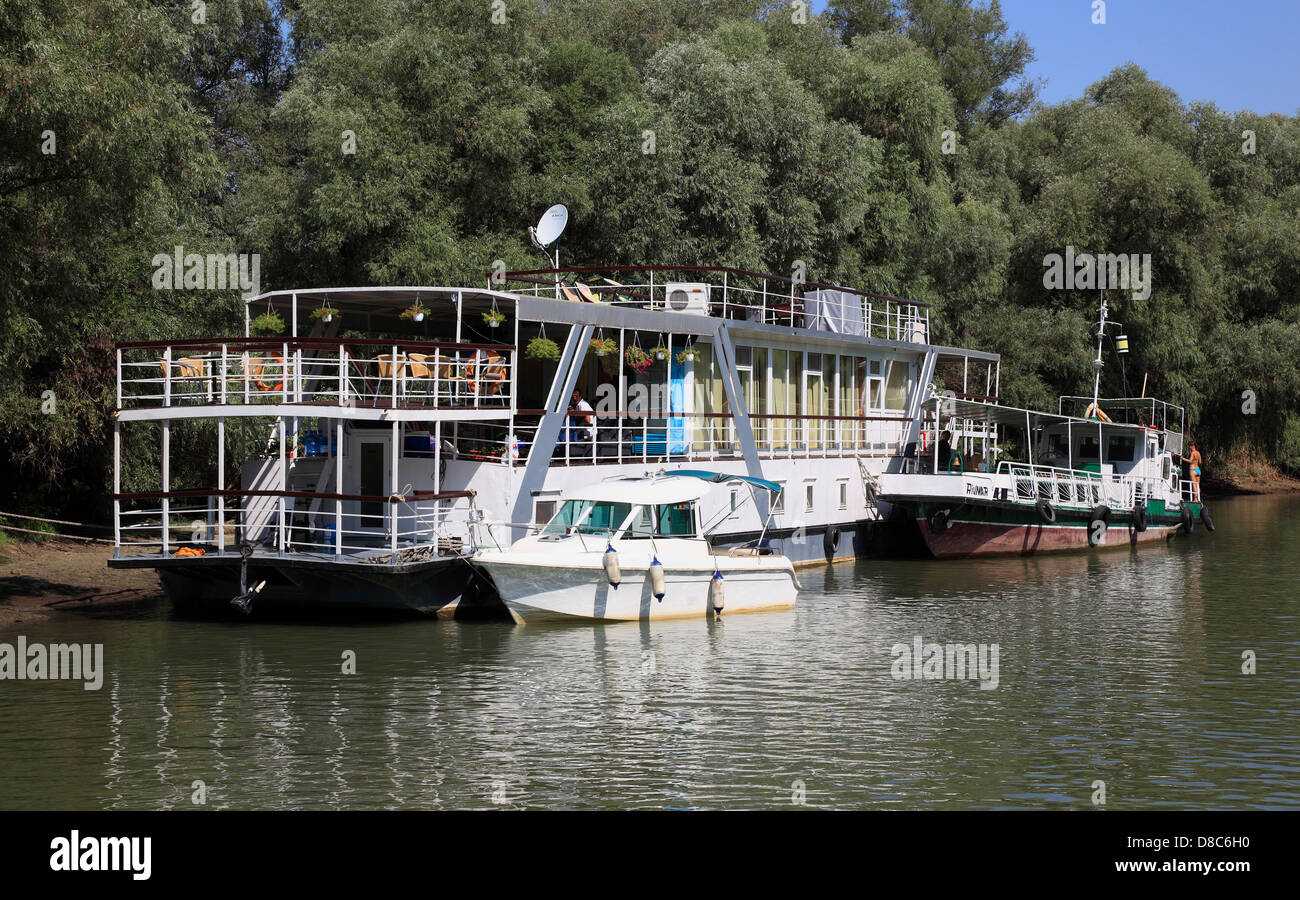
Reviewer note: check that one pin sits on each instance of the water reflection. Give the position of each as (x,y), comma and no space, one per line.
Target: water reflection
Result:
(1122,666)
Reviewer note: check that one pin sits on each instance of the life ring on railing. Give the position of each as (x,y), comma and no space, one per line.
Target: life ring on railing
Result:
(259,370)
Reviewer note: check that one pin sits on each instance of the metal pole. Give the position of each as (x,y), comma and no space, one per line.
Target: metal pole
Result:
(221,484)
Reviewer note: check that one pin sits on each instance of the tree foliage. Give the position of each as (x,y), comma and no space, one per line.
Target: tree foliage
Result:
(677,131)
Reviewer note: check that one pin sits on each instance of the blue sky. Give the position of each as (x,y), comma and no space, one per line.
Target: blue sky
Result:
(1240,55)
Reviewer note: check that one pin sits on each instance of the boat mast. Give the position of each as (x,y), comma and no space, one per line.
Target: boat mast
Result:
(1096,365)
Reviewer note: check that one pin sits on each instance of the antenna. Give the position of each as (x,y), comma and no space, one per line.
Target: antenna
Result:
(548,231)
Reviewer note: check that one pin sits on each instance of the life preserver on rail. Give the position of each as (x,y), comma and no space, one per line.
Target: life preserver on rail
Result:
(259,368)
(1045,511)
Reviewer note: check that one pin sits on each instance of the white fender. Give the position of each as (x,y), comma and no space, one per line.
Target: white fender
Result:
(716,591)
(657,578)
(610,562)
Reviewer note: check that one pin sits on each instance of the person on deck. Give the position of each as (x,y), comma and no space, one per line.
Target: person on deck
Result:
(945,452)
(1194,467)
(579,425)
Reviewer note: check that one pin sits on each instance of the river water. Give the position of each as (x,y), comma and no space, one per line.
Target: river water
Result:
(1122,668)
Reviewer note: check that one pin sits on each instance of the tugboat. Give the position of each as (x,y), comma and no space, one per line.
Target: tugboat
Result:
(1106,478)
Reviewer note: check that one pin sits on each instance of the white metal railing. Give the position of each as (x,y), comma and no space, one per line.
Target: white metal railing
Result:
(291,523)
(737,294)
(317,371)
(1074,489)
(628,438)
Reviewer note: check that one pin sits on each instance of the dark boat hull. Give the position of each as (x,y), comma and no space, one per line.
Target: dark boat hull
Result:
(304,587)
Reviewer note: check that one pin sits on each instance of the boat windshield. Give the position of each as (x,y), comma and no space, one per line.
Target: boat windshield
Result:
(588,517)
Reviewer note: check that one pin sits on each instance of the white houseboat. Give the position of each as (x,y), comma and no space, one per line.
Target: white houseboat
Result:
(364,456)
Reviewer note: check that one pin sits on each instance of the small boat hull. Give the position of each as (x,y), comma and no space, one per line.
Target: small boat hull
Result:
(540,593)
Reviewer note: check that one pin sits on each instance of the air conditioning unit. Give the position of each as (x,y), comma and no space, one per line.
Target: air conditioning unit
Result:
(687,297)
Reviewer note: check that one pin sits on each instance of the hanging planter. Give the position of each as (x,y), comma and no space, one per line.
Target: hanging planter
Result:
(493,318)
(659,352)
(542,348)
(637,359)
(415,312)
(689,355)
(268,324)
(604,346)
(326,314)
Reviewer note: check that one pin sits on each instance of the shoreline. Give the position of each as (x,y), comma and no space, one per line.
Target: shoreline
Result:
(68,574)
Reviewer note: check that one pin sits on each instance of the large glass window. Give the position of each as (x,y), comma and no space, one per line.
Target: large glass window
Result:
(1120,448)
(588,517)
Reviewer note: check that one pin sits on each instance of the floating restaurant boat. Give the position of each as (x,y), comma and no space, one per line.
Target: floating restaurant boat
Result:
(628,549)
(1105,477)
(363,458)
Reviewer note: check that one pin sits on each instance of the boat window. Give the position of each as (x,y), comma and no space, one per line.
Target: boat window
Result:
(642,523)
(589,517)
(676,519)
(896,385)
(1088,448)
(1120,448)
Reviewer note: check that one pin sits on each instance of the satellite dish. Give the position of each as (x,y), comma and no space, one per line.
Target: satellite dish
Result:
(552,224)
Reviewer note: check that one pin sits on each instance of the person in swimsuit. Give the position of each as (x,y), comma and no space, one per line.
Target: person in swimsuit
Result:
(1194,466)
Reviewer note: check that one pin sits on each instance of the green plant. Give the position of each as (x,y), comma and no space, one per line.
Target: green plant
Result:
(414,312)
(327,313)
(659,351)
(542,348)
(689,355)
(268,324)
(637,359)
(604,346)
(493,317)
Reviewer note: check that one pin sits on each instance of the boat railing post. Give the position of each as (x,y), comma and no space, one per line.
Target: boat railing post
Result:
(117,482)
(244,366)
(167,376)
(119,377)
(166,485)
(343,375)
(223,370)
(392,375)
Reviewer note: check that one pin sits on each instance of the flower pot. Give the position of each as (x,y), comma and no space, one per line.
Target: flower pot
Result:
(419,317)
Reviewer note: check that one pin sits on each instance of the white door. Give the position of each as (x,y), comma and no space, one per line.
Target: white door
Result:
(372,474)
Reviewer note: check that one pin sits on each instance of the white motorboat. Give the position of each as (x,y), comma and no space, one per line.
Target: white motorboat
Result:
(629,549)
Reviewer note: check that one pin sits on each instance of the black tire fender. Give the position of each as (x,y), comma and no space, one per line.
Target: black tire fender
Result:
(831,540)
(1045,511)
(1140,516)
(1206,519)
(938,521)
(1188,521)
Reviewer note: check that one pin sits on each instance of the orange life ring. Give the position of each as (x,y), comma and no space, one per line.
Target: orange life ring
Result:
(260,369)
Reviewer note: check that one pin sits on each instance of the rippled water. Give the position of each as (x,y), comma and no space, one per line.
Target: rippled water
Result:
(1120,667)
